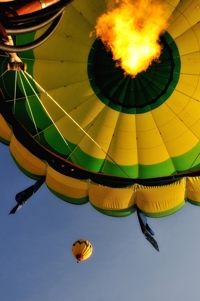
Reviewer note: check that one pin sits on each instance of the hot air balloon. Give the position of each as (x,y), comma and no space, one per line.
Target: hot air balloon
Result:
(119,142)
(82,249)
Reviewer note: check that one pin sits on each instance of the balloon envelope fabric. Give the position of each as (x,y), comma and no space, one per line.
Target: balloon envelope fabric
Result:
(97,135)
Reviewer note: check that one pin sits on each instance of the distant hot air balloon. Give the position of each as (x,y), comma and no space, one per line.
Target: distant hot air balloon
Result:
(82,249)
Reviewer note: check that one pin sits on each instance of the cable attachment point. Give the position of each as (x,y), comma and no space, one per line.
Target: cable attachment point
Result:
(16,66)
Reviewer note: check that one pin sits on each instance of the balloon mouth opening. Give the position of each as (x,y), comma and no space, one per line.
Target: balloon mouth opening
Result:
(147,88)
(79,257)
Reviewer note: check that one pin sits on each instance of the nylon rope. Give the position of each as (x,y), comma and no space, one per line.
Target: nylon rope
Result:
(44,91)
(49,116)
(28,103)
(3,73)
(15,90)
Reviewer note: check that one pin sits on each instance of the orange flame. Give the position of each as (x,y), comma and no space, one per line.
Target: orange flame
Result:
(131,30)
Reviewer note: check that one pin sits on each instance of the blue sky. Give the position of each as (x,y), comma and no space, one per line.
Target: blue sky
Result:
(36,262)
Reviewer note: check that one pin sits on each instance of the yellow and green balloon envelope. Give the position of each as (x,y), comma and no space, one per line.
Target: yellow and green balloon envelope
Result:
(98,136)
(82,249)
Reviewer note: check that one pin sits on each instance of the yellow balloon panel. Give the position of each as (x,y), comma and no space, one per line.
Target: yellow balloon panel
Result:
(184,5)
(193,189)
(61,107)
(5,130)
(196,93)
(102,138)
(190,114)
(182,144)
(82,91)
(92,10)
(149,139)
(195,129)
(150,144)
(123,148)
(111,198)
(75,134)
(50,108)
(190,10)
(145,122)
(161,200)
(178,25)
(162,114)
(69,42)
(68,35)
(192,44)
(27,161)
(169,7)
(82,110)
(187,84)
(90,108)
(190,63)
(101,132)
(79,120)
(126,123)
(174,129)
(157,154)
(79,30)
(65,185)
(54,74)
(176,103)
(184,16)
